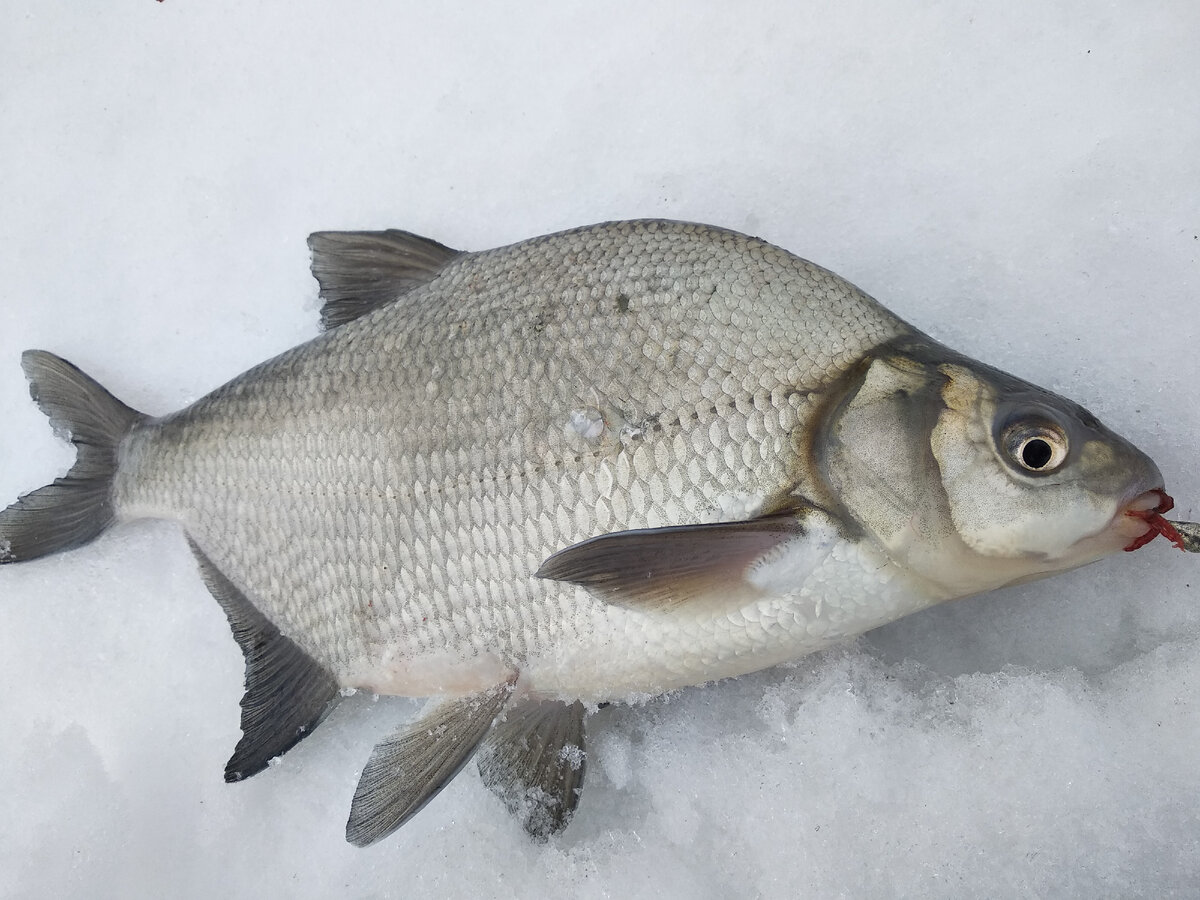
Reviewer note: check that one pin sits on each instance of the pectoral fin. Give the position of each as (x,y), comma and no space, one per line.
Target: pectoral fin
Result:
(287,692)
(534,761)
(660,568)
(408,769)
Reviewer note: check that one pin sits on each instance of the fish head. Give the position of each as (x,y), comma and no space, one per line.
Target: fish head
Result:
(972,479)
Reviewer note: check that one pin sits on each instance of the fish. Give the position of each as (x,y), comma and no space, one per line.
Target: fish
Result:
(587,468)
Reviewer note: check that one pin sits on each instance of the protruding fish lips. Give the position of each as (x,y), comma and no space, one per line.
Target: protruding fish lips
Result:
(1149,507)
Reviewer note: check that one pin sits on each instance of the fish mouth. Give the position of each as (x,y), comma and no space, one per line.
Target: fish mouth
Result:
(1149,508)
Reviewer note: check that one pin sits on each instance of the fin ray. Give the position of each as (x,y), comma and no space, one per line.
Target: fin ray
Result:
(360,271)
(661,568)
(534,760)
(408,769)
(77,507)
(287,692)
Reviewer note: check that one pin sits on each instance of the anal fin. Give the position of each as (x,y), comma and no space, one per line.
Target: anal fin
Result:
(534,761)
(287,692)
(408,769)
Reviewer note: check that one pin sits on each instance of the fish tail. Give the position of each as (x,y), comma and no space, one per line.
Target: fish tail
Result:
(78,506)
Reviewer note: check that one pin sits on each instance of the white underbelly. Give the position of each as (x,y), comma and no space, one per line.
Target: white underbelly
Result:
(813,592)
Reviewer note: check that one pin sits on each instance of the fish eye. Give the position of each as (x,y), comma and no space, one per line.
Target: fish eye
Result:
(1039,447)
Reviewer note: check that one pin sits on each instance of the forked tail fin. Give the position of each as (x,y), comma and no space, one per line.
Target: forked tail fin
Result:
(78,506)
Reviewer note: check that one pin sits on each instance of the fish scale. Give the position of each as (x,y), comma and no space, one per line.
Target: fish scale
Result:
(455,400)
(590,466)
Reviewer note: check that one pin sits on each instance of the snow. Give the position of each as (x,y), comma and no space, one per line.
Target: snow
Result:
(1018,179)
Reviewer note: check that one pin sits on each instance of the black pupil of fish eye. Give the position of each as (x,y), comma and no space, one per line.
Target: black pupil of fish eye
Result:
(1036,453)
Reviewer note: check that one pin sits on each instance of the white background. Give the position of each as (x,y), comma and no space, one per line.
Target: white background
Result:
(1019,179)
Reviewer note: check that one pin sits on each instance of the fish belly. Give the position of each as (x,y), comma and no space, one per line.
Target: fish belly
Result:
(821,590)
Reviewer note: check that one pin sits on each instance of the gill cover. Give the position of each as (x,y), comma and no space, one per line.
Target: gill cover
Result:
(875,456)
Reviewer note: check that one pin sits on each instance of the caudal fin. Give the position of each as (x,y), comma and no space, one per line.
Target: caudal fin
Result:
(77,507)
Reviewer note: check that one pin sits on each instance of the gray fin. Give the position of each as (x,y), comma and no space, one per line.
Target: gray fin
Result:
(660,568)
(78,506)
(287,692)
(408,769)
(360,271)
(534,761)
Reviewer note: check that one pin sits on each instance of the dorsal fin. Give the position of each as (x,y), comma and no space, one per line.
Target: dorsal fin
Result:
(360,271)
(288,693)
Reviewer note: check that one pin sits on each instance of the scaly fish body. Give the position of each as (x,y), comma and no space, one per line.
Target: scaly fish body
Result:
(602,463)
(386,492)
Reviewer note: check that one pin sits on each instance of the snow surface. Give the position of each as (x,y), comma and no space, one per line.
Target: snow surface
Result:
(1019,178)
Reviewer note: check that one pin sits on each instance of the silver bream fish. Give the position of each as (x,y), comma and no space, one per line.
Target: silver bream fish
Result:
(587,467)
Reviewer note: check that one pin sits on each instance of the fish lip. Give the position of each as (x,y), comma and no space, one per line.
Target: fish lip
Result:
(1149,507)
